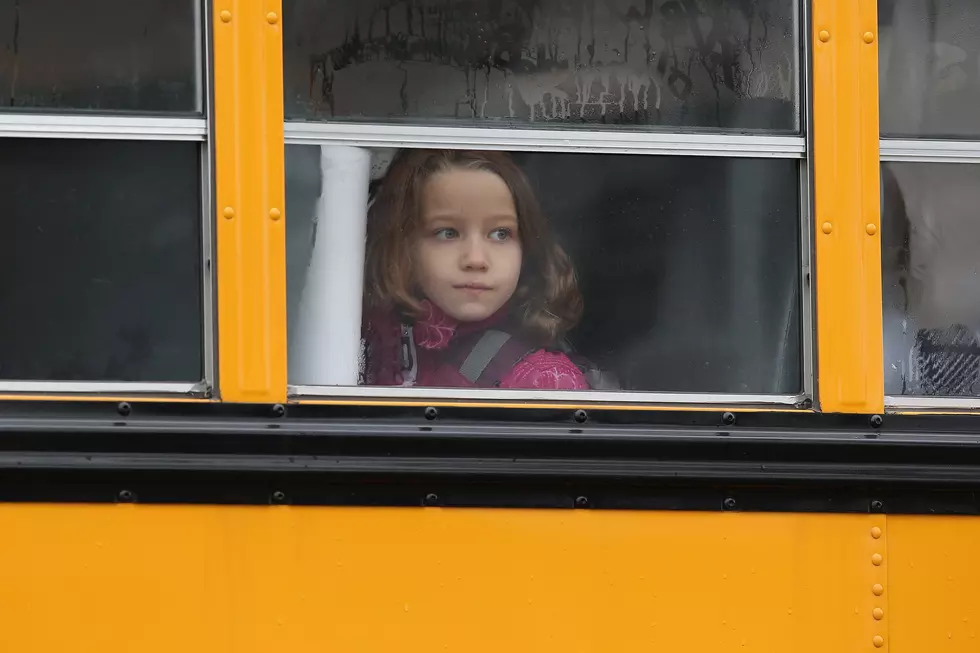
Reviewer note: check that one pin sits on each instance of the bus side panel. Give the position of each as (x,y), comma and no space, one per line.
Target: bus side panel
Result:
(108,578)
(933,583)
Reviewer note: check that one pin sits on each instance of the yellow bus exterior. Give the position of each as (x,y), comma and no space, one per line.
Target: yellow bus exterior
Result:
(757,560)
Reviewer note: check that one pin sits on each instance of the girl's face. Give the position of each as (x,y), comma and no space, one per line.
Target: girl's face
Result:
(468,252)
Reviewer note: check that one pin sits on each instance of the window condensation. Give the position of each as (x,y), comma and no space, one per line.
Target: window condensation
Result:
(719,64)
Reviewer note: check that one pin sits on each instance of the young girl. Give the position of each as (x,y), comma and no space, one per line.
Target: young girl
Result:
(464,285)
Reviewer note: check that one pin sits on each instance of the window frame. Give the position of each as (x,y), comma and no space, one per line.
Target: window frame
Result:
(662,141)
(69,124)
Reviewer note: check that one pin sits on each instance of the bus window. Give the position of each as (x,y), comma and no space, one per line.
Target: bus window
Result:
(100,261)
(623,63)
(932,279)
(105,273)
(929,58)
(117,55)
(641,264)
(652,273)
(930,85)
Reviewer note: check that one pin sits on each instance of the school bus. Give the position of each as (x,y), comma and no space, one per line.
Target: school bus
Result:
(770,210)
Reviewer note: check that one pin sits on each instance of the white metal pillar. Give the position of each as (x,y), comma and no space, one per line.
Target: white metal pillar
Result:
(326,340)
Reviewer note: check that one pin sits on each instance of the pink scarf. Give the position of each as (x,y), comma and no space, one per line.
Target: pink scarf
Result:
(433,333)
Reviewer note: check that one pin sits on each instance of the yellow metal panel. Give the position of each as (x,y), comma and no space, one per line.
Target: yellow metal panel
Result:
(111,578)
(933,584)
(251,241)
(847,203)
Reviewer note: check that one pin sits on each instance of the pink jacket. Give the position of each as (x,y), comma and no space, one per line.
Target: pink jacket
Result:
(539,370)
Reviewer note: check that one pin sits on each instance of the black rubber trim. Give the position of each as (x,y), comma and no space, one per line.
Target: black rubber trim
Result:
(415,456)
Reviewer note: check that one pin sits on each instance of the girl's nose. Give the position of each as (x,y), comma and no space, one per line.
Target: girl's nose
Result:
(474,255)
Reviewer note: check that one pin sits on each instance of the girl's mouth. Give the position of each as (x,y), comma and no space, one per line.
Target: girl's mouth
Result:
(473,287)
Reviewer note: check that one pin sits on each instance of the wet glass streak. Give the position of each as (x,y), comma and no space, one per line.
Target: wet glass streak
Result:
(586,60)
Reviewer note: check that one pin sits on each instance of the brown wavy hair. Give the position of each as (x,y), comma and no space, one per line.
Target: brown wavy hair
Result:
(547,302)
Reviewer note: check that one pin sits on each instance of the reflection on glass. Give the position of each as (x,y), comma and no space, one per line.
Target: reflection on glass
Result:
(112,55)
(100,261)
(930,67)
(539,270)
(703,63)
(931,273)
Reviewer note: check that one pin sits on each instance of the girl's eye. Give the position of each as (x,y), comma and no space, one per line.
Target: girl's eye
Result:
(447,233)
(500,234)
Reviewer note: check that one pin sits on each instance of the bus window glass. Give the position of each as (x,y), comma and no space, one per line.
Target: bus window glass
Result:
(100,261)
(720,64)
(110,55)
(930,68)
(931,274)
(532,270)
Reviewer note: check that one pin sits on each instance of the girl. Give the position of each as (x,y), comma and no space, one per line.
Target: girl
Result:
(464,285)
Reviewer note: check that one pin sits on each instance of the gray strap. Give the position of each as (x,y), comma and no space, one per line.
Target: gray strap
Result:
(482,353)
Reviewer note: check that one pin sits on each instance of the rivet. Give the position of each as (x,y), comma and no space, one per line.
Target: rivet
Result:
(876,559)
(824,35)
(875,532)
(226,16)
(871,228)
(877,589)
(229,213)
(275,214)
(869,37)
(272,17)
(827,227)
(879,641)
(878,613)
